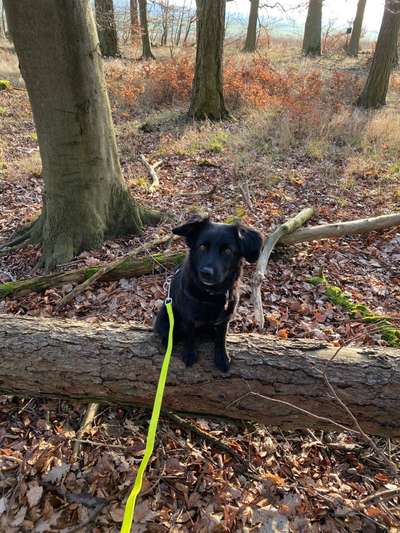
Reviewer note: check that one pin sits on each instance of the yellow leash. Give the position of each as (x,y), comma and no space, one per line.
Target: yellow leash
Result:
(151,434)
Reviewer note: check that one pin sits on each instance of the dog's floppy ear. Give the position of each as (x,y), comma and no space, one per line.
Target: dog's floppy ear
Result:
(250,243)
(191,228)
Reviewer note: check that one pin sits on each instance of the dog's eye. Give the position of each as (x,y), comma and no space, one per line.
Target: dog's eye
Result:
(227,251)
(203,248)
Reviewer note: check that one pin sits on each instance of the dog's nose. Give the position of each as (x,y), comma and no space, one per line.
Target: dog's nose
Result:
(207,272)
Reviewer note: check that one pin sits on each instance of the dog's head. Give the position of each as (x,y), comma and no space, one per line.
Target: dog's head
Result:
(216,249)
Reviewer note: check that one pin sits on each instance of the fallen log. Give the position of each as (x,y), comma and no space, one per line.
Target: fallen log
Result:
(286,228)
(127,268)
(151,169)
(114,363)
(131,267)
(340,229)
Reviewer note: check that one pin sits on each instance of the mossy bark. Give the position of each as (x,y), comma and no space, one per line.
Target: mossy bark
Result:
(144,28)
(251,36)
(338,297)
(357,27)
(85,197)
(106,28)
(207,92)
(376,87)
(130,267)
(312,30)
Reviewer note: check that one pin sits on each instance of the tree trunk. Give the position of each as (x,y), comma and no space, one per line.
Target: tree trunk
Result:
(207,91)
(357,27)
(120,364)
(85,197)
(188,28)
(135,26)
(251,37)
(376,87)
(106,28)
(144,27)
(312,30)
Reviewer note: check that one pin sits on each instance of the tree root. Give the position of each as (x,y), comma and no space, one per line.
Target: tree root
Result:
(10,249)
(30,234)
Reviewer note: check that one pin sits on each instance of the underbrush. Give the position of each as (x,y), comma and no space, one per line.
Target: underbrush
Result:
(248,82)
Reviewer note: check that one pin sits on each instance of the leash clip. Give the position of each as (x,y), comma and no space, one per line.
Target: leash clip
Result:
(167,287)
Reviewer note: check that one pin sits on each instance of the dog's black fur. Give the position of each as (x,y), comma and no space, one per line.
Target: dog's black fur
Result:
(204,290)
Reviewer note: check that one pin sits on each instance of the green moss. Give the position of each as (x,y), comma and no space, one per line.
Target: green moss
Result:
(89,272)
(356,309)
(2,110)
(5,84)
(6,289)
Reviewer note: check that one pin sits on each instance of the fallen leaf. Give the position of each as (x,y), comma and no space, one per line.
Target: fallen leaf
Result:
(34,495)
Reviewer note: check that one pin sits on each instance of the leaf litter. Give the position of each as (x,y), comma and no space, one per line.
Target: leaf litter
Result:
(305,481)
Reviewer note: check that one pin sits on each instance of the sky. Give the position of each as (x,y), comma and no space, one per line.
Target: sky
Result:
(342,12)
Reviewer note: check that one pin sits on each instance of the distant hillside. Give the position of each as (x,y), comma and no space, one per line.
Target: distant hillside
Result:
(237,23)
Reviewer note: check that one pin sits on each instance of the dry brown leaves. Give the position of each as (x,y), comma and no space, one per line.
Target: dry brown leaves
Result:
(308,482)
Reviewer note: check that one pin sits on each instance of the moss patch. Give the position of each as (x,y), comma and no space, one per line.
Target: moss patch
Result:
(5,84)
(338,297)
(6,289)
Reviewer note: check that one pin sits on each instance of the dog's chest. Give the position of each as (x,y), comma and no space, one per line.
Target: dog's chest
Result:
(203,313)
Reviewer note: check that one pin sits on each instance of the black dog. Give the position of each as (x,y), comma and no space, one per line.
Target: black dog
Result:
(204,290)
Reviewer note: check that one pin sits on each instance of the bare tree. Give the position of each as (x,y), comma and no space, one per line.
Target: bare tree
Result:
(207,92)
(251,36)
(354,44)
(134,19)
(312,30)
(85,197)
(106,28)
(144,28)
(376,87)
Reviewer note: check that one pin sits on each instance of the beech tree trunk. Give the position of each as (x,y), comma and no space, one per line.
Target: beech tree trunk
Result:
(376,87)
(120,364)
(144,28)
(85,197)
(251,36)
(356,31)
(312,30)
(106,28)
(135,25)
(208,88)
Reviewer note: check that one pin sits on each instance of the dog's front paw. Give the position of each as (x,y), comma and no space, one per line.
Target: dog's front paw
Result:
(189,358)
(222,361)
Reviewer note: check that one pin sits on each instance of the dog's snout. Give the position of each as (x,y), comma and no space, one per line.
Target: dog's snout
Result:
(207,272)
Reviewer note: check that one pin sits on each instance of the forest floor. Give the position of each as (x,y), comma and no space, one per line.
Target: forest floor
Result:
(296,141)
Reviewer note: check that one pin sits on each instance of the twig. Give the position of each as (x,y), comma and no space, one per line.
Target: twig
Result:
(244,189)
(103,444)
(108,268)
(209,192)
(381,495)
(247,467)
(288,227)
(151,169)
(86,425)
(284,402)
